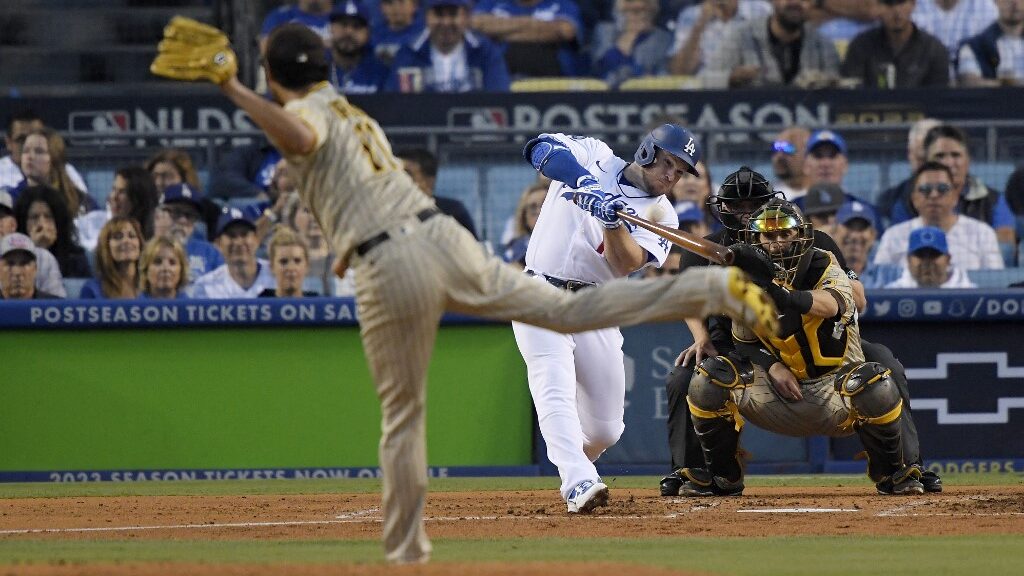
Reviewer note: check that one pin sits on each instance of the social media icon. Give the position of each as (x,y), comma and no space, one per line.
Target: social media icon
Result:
(906,308)
(932,307)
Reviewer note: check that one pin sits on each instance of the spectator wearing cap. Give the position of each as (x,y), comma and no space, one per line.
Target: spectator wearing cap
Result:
(972,244)
(538,37)
(826,161)
(692,219)
(995,56)
(820,205)
(953,21)
(355,69)
(896,54)
(782,49)
(18,269)
(48,276)
(857,231)
(929,264)
(289,262)
(243,275)
(402,22)
(310,13)
(789,152)
(182,204)
(630,43)
(448,56)
(117,261)
(172,166)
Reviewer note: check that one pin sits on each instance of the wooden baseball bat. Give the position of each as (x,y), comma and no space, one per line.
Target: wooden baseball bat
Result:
(685,240)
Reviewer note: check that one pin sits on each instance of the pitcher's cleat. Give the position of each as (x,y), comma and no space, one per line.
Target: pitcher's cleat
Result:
(745,302)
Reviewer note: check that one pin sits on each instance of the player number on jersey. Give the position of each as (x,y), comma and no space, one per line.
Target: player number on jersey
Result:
(374,146)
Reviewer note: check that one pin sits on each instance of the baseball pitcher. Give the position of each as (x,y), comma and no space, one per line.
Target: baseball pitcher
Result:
(411,262)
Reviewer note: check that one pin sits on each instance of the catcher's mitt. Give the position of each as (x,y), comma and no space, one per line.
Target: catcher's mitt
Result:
(192,50)
(754,261)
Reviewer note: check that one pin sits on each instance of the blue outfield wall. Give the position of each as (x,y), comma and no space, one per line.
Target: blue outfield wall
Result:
(963,352)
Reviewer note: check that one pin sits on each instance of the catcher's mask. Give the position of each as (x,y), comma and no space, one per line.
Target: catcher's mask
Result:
(780,229)
(740,195)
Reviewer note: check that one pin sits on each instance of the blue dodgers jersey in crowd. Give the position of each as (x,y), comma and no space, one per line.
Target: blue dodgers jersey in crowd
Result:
(368,77)
(413,69)
(288,14)
(203,257)
(546,10)
(386,42)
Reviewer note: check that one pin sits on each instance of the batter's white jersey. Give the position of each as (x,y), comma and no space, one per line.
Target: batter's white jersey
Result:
(568,242)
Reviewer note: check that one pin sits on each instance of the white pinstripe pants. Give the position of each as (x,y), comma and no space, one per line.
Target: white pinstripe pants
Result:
(404,285)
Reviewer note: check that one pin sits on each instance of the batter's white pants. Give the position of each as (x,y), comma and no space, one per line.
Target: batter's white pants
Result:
(578,384)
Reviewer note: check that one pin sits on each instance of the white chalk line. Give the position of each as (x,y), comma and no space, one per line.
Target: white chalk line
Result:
(363,517)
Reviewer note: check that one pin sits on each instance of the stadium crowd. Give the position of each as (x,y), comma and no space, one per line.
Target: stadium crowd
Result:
(162,235)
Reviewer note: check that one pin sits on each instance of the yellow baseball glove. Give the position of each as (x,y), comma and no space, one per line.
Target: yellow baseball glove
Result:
(192,50)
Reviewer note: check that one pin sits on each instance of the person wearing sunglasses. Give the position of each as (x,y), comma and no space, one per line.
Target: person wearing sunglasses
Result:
(972,243)
(788,152)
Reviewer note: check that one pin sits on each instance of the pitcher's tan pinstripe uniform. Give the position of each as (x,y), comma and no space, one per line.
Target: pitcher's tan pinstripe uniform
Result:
(356,188)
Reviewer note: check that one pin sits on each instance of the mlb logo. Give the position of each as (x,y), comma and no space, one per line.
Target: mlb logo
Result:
(99,122)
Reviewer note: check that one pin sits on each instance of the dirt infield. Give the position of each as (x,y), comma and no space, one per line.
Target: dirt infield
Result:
(521,514)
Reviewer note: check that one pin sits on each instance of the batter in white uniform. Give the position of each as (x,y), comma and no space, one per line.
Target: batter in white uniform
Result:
(578,380)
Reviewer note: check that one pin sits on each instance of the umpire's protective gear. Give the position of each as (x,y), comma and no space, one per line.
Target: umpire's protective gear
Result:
(673,139)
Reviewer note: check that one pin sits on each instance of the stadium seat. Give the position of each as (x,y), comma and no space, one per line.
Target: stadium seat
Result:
(559,85)
(504,184)
(996,278)
(897,172)
(73,286)
(99,183)
(313,284)
(864,180)
(993,174)
(661,83)
(462,182)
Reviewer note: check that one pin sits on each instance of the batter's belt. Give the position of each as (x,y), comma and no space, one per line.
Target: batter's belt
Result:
(570,285)
(378,239)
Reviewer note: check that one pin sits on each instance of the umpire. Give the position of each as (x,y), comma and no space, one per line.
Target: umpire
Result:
(740,195)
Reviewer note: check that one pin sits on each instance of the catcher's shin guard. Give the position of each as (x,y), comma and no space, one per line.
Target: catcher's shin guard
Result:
(715,417)
(877,405)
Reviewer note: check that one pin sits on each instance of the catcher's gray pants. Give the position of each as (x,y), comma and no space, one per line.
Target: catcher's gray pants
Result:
(405,284)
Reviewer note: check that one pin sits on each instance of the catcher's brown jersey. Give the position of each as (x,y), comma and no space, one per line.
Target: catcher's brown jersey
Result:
(359,162)
(812,347)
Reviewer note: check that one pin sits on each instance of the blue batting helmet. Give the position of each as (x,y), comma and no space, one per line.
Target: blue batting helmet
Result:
(673,139)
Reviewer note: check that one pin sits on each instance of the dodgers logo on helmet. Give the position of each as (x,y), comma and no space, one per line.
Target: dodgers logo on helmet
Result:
(673,139)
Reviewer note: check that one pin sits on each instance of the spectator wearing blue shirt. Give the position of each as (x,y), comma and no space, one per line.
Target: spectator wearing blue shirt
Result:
(245,171)
(539,37)
(117,261)
(630,45)
(163,273)
(448,57)
(355,70)
(183,204)
(311,13)
(857,231)
(401,23)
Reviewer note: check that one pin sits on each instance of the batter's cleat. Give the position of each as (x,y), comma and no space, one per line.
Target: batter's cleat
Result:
(747,303)
(586,496)
(700,482)
(931,481)
(671,484)
(906,482)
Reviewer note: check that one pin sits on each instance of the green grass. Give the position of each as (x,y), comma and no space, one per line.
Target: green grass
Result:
(363,485)
(991,555)
(903,554)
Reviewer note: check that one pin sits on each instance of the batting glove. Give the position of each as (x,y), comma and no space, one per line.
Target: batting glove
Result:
(607,213)
(588,192)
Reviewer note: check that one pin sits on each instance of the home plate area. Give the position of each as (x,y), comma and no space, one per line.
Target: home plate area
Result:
(778,511)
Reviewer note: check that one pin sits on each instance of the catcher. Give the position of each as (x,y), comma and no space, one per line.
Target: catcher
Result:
(809,379)
(412,263)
